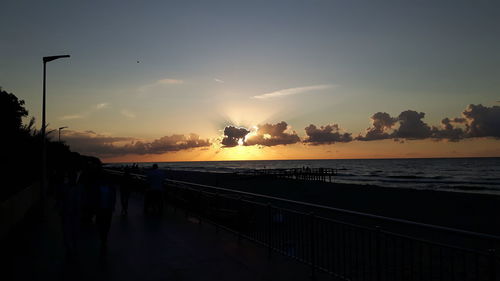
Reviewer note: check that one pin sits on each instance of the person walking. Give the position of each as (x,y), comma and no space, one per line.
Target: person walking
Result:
(69,205)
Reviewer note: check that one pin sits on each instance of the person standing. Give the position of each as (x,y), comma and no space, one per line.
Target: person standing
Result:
(154,193)
(106,207)
(125,190)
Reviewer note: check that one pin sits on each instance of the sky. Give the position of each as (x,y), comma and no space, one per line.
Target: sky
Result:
(243,80)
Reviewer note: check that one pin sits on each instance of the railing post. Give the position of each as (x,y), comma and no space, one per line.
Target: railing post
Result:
(313,252)
(175,201)
(240,218)
(186,208)
(216,212)
(269,227)
(378,254)
(200,206)
(493,273)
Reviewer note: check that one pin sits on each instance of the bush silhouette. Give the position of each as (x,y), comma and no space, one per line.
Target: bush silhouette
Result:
(21,149)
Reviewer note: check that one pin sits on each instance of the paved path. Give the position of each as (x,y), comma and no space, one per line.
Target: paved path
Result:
(141,247)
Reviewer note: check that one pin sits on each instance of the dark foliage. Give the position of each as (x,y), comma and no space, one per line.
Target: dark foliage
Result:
(11,112)
(21,149)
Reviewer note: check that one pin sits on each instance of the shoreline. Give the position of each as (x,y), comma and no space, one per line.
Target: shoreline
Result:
(461,210)
(463,175)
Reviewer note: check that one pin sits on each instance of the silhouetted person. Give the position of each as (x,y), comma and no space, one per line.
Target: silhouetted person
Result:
(69,205)
(90,179)
(154,193)
(125,190)
(106,207)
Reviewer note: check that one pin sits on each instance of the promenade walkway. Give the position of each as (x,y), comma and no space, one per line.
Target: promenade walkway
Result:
(142,247)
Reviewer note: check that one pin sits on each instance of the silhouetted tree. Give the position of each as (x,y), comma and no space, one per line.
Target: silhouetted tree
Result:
(22,146)
(11,112)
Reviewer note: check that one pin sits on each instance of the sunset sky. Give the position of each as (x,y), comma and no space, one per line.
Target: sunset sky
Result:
(249,78)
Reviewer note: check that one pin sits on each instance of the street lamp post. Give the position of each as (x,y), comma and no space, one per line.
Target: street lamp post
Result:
(60,128)
(44,148)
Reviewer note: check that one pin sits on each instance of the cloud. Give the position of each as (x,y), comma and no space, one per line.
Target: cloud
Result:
(158,83)
(448,131)
(382,122)
(128,114)
(100,145)
(411,126)
(271,135)
(476,121)
(292,91)
(482,121)
(89,142)
(233,136)
(218,80)
(92,109)
(169,81)
(325,135)
(175,143)
(101,105)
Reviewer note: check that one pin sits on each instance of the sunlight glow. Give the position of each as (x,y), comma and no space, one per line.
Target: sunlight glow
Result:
(246,114)
(253,132)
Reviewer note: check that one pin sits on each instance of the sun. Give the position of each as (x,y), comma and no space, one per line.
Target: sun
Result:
(253,132)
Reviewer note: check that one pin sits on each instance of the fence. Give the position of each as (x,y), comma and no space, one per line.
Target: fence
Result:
(348,245)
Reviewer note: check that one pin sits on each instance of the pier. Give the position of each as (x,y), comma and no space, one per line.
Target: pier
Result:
(306,173)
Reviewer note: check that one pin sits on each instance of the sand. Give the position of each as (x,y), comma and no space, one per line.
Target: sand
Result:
(472,212)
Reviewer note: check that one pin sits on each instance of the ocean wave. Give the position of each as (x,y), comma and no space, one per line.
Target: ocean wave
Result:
(440,174)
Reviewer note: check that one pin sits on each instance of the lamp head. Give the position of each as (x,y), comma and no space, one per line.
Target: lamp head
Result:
(51,58)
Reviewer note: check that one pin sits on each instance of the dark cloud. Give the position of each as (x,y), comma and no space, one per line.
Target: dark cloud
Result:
(91,143)
(325,135)
(272,134)
(448,131)
(482,121)
(176,143)
(411,126)
(382,122)
(476,121)
(232,135)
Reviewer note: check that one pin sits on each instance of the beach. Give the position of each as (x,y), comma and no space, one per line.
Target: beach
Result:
(467,211)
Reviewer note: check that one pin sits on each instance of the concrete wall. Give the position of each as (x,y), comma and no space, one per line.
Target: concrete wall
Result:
(14,209)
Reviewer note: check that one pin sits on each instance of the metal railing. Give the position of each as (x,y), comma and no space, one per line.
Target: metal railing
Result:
(346,244)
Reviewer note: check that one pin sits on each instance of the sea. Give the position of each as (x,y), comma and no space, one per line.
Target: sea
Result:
(471,175)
